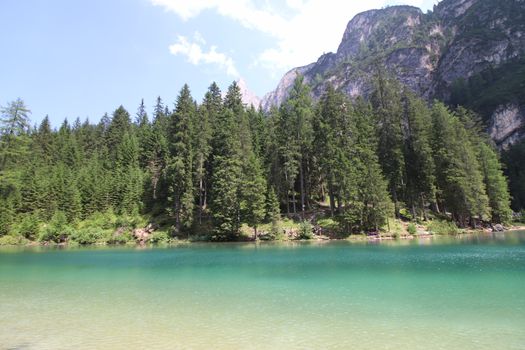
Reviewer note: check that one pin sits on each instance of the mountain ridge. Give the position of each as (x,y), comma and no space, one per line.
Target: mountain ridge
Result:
(429,53)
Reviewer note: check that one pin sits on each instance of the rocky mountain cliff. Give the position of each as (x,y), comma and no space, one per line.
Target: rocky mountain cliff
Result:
(469,52)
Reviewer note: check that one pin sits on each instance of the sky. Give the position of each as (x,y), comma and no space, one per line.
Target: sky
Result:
(83,58)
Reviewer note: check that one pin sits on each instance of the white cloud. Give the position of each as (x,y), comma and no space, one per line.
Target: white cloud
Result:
(315,26)
(196,55)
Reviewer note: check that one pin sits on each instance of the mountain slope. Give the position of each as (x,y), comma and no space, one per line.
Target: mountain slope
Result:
(453,50)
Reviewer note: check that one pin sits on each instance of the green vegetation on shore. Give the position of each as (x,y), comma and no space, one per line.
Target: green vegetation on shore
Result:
(220,170)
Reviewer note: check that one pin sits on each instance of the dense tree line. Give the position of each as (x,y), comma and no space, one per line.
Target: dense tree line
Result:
(223,164)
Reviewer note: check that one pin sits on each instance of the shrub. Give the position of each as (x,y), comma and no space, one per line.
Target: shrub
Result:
(12,240)
(412,229)
(120,237)
(159,237)
(441,227)
(405,213)
(57,230)
(29,227)
(305,230)
(105,221)
(88,235)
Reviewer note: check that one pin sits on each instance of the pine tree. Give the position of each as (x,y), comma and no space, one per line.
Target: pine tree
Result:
(43,141)
(387,105)
(205,122)
(14,124)
(460,182)
(366,201)
(419,164)
(333,139)
(496,185)
(156,155)
(253,194)
(120,124)
(180,167)
(227,168)
(271,206)
(514,160)
(296,139)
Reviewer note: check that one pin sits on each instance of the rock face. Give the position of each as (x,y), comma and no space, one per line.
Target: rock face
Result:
(429,53)
(248,97)
(507,124)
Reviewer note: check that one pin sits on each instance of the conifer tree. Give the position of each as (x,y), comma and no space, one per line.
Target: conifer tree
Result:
(333,137)
(296,139)
(119,125)
(419,164)
(14,124)
(227,168)
(366,201)
(388,112)
(496,185)
(253,194)
(180,164)
(514,160)
(206,117)
(156,155)
(459,179)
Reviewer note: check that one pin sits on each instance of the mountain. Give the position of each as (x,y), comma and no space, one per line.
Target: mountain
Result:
(469,52)
(248,97)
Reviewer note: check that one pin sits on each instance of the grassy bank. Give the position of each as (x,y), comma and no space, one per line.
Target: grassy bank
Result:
(111,229)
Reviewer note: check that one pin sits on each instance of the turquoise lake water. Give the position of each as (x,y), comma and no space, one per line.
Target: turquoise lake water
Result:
(438,293)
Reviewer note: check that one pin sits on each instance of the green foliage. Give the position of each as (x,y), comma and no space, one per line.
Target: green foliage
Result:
(388,111)
(29,226)
(411,228)
(180,164)
(120,237)
(12,240)
(276,230)
(159,237)
(495,184)
(88,235)
(208,170)
(442,227)
(305,230)
(459,178)
(58,230)
(514,160)
(493,87)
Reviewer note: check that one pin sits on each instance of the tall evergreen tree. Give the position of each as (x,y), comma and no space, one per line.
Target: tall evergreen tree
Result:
(14,124)
(253,194)
(180,164)
(387,105)
(419,164)
(207,115)
(296,139)
(460,182)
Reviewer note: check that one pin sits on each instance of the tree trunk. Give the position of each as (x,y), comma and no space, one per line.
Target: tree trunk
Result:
(301,175)
(425,217)
(396,204)
(332,202)
(288,203)
(293,200)
(201,189)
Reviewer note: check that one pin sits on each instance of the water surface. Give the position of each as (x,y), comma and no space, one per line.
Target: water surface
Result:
(430,294)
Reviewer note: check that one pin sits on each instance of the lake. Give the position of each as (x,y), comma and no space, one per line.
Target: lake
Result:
(442,293)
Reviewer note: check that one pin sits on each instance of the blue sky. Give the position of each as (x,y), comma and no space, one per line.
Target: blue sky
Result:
(82,58)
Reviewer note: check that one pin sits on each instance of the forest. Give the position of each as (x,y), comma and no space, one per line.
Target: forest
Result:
(216,168)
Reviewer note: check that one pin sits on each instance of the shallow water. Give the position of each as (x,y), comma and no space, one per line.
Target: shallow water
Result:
(439,293)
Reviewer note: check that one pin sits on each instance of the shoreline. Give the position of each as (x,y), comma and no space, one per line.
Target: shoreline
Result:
(317,239)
